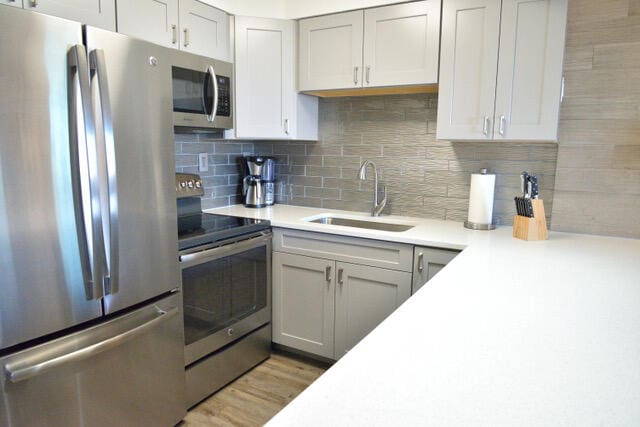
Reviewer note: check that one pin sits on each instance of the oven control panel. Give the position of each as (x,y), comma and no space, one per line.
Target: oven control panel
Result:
(188,185)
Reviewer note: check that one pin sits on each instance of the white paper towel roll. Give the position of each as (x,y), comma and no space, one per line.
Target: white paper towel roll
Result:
(481,198)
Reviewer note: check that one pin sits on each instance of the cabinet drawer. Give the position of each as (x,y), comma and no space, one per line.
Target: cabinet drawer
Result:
(393,256)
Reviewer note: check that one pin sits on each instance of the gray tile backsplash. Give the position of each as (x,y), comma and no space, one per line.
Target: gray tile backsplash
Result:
(424,177)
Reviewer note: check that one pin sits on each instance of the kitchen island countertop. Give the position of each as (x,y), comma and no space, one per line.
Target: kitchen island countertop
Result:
(508,333)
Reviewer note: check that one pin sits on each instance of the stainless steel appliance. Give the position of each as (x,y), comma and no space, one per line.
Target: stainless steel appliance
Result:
(226,277)
(202,92)
(258,186)
(89,331)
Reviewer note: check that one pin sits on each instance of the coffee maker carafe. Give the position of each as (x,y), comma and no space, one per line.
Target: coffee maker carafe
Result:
(259,182)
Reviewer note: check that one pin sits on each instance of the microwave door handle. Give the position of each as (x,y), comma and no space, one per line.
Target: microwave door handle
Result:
(99,71)
(83,169)
(212,74)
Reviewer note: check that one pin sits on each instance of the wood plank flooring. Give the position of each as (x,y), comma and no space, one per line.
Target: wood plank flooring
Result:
(257,396)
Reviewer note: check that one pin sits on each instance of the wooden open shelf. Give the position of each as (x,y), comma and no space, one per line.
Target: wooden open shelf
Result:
(373,91)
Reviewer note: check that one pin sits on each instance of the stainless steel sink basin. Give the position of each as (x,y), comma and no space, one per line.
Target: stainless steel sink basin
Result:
(371,225)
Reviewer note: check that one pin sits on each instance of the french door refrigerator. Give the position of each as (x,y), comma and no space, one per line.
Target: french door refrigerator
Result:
(89,327)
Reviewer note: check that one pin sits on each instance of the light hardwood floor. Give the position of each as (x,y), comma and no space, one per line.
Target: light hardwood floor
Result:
(254,398)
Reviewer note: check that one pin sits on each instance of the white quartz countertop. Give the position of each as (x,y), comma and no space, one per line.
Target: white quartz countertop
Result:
(510,333)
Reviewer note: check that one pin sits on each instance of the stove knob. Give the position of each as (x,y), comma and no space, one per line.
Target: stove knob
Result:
(230,332)
(198,184)
(190,184)
(183,184)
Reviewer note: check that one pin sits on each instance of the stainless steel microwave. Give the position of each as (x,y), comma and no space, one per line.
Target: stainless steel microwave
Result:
(202,92)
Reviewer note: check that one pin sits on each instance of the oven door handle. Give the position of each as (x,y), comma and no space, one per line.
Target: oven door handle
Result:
(224,251)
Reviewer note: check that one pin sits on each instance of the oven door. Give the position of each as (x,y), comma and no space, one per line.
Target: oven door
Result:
(227,293)
(202,92)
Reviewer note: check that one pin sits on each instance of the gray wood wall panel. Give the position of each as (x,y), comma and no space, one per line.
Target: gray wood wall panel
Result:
(597,186)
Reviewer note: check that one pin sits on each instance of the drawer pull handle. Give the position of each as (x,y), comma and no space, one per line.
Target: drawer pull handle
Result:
(340,272)
(327,273)
(420,261)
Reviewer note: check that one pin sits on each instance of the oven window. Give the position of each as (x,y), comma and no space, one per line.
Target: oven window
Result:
(192,91)
(218,293)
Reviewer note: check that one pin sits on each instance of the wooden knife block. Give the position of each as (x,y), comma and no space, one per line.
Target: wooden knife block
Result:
(535,228)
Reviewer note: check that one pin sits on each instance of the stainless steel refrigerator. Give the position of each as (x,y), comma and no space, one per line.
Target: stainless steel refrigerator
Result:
(89,326)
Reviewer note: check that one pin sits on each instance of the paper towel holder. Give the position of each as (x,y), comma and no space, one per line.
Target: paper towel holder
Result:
(474,225)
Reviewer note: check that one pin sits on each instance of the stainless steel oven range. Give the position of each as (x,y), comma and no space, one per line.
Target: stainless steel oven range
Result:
(226,280)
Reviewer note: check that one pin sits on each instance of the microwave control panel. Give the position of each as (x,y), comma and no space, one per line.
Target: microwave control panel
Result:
(224,96)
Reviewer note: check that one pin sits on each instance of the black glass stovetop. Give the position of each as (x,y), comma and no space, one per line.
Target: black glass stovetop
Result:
(204,228)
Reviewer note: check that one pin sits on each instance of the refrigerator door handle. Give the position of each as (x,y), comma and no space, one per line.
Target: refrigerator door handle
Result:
(84,170)
(99,73)
(21,370)
(214,109)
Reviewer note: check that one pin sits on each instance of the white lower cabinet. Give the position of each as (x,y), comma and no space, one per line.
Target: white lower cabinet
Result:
(365,296)
(303,303)
(323,305)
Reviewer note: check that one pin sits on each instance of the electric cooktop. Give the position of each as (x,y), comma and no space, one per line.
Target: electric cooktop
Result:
(204,228)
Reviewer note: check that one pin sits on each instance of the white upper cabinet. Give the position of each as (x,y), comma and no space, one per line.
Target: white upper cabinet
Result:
(204,30)
(530,69)
(385,46)
(330,52)
(185,24)
(98,13)
(468,61)
(501,69)
(14,3)
(267,105)
(152,20)
(401,44)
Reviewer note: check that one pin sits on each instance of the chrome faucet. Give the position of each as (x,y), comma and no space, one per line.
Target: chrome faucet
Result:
(362,175)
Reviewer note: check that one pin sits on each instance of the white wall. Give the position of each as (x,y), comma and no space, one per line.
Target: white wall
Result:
(292,9)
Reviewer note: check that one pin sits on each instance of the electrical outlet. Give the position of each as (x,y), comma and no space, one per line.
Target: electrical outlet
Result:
(203,162)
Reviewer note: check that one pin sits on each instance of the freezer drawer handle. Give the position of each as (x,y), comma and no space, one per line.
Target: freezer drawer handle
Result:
(23,370)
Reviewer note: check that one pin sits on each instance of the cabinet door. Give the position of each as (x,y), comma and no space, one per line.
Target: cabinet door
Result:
(303,303)
(330,51)
(427,263)
(152,20)
(265,89)
(468,61)
(365,296)
(98,13)
(401,44)
(204,30)
(530,69)
(14,3)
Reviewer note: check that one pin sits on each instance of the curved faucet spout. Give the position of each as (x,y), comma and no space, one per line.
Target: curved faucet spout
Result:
(362,175)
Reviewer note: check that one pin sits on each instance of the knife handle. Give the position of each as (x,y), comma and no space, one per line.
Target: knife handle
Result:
(534,186)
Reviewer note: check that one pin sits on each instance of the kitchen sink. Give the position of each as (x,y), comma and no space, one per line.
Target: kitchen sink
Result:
(359,223)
